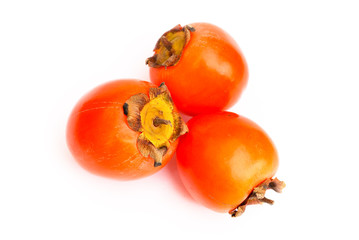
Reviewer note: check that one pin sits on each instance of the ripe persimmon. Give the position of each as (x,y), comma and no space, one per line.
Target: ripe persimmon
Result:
(201,65)
(124,129)
(227,162)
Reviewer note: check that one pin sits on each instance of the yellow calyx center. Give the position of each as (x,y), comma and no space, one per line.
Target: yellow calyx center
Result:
(157,121)
(156,118)
(172,44)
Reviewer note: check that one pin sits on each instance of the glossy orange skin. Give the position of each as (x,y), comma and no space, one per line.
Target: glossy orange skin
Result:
(223,157)
(210,75)
(98,135)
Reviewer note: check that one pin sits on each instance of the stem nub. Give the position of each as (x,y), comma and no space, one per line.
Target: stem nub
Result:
(159,121)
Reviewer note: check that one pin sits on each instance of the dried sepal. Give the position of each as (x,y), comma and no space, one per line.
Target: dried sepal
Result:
(162,89)
(132,108)
(169,47)
(181,127)
(276,185)
(238,211)
(147,149)
(257,196)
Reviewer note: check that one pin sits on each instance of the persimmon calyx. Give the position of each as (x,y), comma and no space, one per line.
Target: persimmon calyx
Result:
(156,118)
(169,47)
(257,196)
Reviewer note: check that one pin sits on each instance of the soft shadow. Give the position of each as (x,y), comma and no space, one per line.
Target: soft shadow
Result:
(174,178)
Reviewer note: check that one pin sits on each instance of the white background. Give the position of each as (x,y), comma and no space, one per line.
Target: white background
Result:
(303,90)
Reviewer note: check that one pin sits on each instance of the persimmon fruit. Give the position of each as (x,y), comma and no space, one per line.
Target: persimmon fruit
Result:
(124,129)
(227,162)
(202,66)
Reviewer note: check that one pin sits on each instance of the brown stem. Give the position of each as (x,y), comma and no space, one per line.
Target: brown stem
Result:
(159,121)
(266,200)
(257,196)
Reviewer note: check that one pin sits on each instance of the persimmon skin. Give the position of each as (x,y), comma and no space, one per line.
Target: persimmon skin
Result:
(210,75)
(223,158)
(99,137)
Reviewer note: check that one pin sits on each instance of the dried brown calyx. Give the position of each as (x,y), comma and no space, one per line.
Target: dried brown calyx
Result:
(257,196)
(169,47)
(157,120)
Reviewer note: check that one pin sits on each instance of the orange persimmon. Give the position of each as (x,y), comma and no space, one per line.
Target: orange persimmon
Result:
(227,162)
(201,65)
(124,129)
